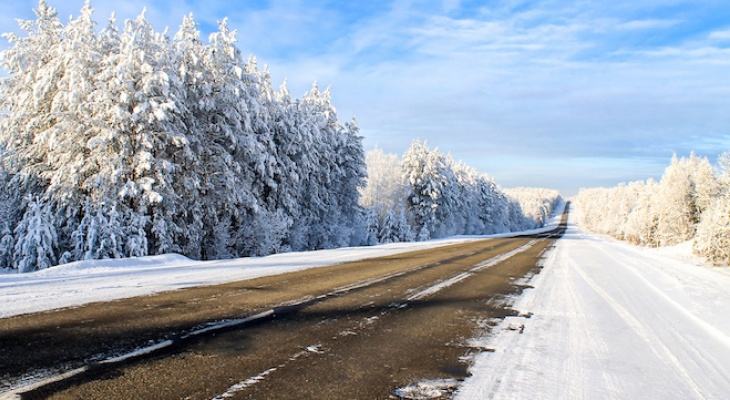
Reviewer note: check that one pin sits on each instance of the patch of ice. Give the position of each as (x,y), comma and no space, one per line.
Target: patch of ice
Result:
(426,390)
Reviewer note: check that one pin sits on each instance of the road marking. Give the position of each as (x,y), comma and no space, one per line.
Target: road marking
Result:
(246,383)
(460,277)
(282,308)
(15,393)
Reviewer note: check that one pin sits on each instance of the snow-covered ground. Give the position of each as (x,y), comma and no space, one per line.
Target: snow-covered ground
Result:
(607,319)
(612,321)
(84,282)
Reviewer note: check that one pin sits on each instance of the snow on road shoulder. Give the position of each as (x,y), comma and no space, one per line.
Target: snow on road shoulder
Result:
(611,320)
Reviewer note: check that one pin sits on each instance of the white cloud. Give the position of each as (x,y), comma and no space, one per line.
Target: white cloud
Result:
(648,24)
(721,35)
(518,79)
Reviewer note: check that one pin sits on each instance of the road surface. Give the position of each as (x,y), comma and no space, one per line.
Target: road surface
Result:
(360,330)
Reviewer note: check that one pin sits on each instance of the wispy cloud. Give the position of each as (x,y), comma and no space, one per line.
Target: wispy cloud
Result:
(646,24)
(586,81)
(722,35)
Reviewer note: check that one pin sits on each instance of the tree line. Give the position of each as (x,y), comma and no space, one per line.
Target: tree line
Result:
(129,142)
(426,194)
(690,202)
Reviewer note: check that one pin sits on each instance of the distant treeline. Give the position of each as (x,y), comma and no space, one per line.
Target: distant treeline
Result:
(691,202)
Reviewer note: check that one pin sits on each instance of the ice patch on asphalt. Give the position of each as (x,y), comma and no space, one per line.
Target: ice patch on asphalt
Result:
(432,389)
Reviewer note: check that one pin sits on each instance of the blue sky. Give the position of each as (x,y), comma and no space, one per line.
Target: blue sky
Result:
(560,94)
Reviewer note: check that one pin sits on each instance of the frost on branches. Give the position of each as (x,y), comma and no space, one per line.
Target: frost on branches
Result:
(691,202)
(127,142)
(426,194)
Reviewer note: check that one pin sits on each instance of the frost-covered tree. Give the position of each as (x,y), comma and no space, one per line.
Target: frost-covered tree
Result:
(713,232)
(688,186)
(36,243)
(642,221)
(688,203)
(723,166)
(144,144)
(537,204)
(385,189)
(371,228)
(430,195)
(425,173)
(706,184)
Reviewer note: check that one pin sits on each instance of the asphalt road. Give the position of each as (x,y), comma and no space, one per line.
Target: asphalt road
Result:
(358,330)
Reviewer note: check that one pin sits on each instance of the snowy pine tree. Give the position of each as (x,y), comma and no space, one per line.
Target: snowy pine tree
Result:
(142,144)
(36,243)
(423,172)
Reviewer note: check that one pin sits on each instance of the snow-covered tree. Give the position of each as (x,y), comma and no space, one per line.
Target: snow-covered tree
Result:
(537,204)
(371,228)
(385,189)
(142,144)
(688,186)
(37,240)
(430,195)
(395,228)
(713,233)
(9,216)
(99,235)
(425,173)
(690,202)
(7,245)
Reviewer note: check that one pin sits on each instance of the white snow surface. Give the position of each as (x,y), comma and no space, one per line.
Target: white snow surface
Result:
(84,282)
(611,321)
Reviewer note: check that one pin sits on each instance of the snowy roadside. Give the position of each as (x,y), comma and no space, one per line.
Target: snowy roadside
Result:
(85,282)
(611,320)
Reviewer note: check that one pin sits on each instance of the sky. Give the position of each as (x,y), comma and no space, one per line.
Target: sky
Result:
(560,94)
